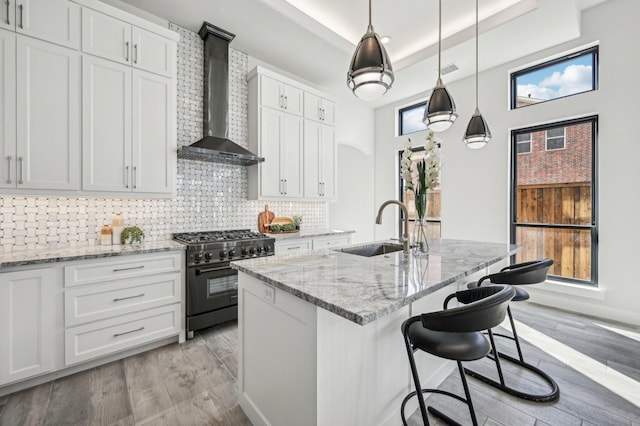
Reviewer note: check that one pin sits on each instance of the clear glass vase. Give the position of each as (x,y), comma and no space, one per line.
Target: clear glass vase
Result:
(419,243)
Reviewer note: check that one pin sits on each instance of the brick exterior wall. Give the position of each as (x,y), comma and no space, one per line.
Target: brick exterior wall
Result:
(571,164)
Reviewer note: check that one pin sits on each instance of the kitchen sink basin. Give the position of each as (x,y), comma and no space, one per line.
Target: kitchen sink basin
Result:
(374,249)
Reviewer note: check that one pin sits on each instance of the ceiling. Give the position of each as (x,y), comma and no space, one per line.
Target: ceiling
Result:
(314,39)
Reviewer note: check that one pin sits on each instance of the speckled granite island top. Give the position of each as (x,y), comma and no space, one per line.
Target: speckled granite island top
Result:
(310,234)
(362,289)
(45,255)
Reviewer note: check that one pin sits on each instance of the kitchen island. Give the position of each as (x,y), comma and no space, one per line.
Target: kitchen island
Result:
(319,332)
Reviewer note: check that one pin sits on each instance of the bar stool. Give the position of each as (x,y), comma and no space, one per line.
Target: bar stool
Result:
(533,272)
(455,334)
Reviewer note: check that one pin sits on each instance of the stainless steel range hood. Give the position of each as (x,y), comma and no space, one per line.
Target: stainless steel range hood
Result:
(216,146)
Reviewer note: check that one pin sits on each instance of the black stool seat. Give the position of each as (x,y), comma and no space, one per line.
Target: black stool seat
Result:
(455,334)
(462,346)
(533,272)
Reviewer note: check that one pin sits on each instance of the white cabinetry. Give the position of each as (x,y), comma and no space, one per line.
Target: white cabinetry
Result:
(319,161)
(48,116)
(319,109)
(119,41)
(331,241)
(302,244)
(113,305)
(7,109)
(128,112)
(27,324)
(299,152)
(293,245)
(55,21)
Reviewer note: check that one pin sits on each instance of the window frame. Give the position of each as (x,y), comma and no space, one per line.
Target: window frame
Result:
(514,224)
(405,109)
(594,51)
(546,139)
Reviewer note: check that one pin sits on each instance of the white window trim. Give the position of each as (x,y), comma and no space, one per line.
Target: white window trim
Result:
(564,140)
(587,292)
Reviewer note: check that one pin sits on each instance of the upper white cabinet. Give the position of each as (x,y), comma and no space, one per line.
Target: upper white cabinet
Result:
(119,41)
(319,109)
(27,324)
(7,109)
(55,21)
(279,95)
(319,161)
(48,116)
(299,152)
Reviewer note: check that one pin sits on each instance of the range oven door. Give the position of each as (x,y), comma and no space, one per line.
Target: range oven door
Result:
(211,287)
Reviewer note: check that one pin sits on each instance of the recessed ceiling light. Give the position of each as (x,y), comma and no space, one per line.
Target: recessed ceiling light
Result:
(385,39)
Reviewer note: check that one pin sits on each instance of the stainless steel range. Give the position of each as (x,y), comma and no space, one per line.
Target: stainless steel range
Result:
(211,283)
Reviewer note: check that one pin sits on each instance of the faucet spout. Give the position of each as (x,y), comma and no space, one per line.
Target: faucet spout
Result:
(405,237)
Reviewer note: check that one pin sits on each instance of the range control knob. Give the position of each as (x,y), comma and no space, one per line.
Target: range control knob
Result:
(198,257)
(208,256)
(259,249)
(252,250)
(243,251)
(223,254)
(267,249)
(232,252)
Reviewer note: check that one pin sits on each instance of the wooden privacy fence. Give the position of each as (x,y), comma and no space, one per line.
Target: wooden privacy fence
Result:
(558,204)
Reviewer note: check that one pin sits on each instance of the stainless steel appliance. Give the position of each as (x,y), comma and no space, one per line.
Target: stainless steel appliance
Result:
(211,283)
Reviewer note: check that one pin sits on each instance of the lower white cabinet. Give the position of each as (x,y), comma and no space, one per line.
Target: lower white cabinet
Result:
(294,245)
(27,324)
(302,244)
(332,241)
(116,304)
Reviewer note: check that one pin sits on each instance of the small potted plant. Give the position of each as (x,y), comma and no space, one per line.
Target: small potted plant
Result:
(131,235)
(297,220)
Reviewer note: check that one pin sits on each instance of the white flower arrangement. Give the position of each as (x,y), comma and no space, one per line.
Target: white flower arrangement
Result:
(423,174)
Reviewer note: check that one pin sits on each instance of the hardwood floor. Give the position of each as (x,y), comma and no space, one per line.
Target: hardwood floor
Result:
(596,364)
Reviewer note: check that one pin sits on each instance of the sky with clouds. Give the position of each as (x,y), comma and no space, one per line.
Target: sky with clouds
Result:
(566,78)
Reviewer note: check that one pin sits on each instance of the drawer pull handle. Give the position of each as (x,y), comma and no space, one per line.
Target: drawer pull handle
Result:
(294,248)
(8,3)
(233,297)
(128,269)
(128,332)
(117,299)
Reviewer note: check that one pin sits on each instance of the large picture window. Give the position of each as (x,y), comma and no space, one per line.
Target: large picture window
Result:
(565,76)
(554,197)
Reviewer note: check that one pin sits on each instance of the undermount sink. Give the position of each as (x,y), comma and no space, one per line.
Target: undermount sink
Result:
(374,249)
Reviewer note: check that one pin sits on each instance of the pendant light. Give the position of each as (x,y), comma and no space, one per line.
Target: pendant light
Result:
(477,134)
(440,112)
(370,74)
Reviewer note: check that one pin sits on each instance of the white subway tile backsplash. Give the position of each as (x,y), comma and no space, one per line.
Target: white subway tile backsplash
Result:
(209,196)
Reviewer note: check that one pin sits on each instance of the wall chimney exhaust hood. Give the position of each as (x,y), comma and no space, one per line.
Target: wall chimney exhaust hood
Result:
(215,146)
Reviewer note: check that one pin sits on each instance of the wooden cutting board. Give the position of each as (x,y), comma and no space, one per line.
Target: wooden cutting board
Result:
(265,218)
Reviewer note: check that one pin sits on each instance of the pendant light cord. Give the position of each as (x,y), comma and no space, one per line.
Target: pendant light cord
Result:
(476,54)
(439,35)
(369,13)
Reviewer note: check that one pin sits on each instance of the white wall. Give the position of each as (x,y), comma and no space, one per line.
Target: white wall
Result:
(475,184)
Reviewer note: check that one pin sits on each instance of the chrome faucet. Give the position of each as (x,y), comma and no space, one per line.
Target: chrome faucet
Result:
(405,238)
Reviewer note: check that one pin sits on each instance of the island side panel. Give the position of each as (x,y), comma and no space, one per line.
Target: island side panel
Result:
(363,372)
(276,355)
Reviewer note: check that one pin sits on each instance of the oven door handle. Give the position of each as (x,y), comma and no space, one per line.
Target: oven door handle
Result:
(204,271)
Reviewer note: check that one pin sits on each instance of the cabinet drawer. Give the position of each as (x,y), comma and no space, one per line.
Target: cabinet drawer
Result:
(100,301)
(292,246)
(124,267)
(116,334)
(331,242)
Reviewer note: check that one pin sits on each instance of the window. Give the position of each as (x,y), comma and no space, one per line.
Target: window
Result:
(554,198)
(523,143)
(433,201)
(565,76)
(410,119)
(555,138)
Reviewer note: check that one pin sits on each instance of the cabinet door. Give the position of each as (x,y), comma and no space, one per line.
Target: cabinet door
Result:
(271,184)
(271,93)
(106,117)
(311,106)
(7,110)
(312,140)
(327,156)
(328,111)
(56,21)
(27,327)
(107,37)
(152,52)
(48,109)
(292,99)
(154,144)
(291,155)
(8,14)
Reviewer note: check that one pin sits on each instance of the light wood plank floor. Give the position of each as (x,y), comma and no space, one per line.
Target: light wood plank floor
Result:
(596,364)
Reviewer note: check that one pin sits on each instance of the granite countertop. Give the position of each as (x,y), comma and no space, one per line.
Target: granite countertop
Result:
(309,234)
(52,255)
(362,289)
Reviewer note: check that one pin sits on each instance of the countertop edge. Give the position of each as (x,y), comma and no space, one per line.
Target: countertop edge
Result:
(310,234)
